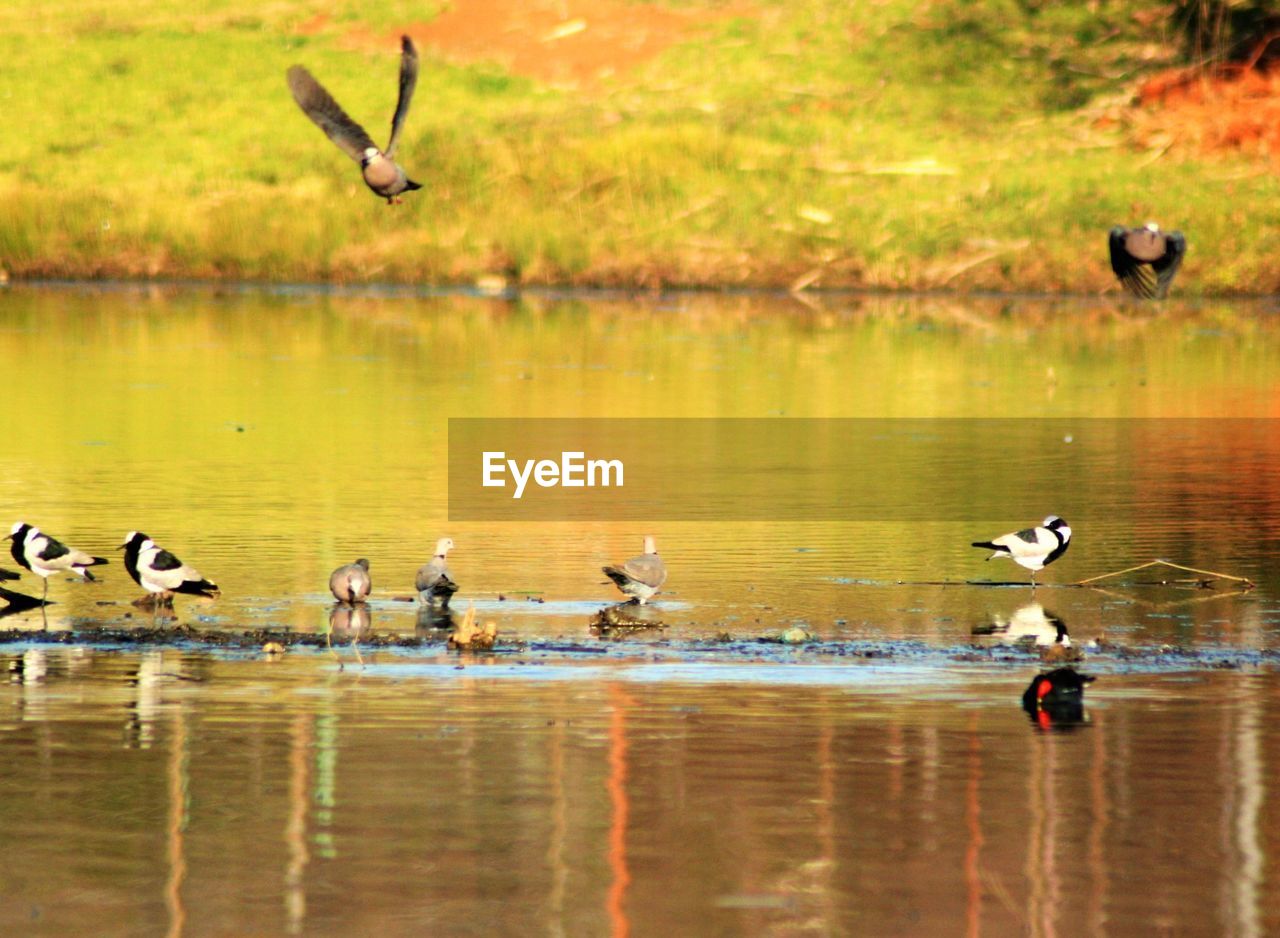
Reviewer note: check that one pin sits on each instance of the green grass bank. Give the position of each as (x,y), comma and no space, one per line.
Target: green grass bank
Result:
(894,144)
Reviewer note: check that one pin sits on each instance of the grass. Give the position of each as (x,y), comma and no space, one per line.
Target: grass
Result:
(149,141)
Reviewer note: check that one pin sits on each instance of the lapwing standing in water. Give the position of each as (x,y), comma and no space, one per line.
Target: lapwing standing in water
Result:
(1145,259)
(160,573)
(44,555)
(350,583)
(381,172)
(433,581)
(640,577)
(1033,548)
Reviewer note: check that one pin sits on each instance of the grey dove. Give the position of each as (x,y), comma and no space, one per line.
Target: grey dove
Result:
(640,577)
(381,172)
(350,583)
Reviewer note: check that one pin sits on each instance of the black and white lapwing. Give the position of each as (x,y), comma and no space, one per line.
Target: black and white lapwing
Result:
(1145,259)
(381,172)
(433,581)
(160,573)
(350,583)
(1033,548)
(44,555)
(640,577)
(1056,697)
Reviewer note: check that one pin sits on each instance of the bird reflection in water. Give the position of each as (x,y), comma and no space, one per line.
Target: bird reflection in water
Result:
(348,624)
(1032,624)
(1055,699)
(432,619)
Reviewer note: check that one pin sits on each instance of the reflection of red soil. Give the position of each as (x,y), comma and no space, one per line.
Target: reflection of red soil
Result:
(560,41)
(1235,109)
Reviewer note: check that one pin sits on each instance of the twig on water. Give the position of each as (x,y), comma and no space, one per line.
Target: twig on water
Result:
(1248,584)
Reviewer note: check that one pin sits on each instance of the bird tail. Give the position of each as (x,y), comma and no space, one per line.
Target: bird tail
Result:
(616,575)
(410,185)
(93,562)
(989,545)
(199,588)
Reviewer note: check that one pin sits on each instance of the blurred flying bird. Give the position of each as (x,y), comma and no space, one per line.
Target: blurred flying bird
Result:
(432,581)
(642,576)
(1145,259)
(45,556)
(1033,548)
(381,172)
(159,572)
(350,583)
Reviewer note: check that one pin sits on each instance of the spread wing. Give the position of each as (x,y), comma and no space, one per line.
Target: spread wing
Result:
(327,114)
(1137,279)
(408,81)
(1168,265)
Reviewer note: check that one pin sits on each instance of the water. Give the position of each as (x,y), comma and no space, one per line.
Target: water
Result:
(686,778)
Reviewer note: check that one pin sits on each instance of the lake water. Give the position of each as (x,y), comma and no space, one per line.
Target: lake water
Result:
(880,779)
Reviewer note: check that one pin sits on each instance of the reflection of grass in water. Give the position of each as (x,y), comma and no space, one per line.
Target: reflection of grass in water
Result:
(169,145)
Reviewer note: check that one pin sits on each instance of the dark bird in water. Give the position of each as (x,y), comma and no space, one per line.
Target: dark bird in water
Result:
(44,556)
(1033,548)
(1145,259)
(640,577)
(1056,697)
(159,572)
(350,583)
(432,581)
(381,172)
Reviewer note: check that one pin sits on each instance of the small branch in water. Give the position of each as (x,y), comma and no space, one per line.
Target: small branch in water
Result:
(1249,584)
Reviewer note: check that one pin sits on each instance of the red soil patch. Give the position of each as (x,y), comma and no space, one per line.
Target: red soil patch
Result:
(1237,108)
(567,42)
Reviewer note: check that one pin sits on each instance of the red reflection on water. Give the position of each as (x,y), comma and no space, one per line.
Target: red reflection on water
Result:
(617,787)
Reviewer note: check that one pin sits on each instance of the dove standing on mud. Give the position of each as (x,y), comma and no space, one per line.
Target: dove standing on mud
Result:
(381,172)
(433,580)
(1033,548)
(1145,259)
(159,572)
(640,577)
(44,556)
(350,583)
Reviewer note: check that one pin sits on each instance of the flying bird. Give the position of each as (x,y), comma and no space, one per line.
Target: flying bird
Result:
(433,581)
(159,572)
(640,577)
(1145,259)
(350,583)
(44,555)
(381,172)
(1033,548)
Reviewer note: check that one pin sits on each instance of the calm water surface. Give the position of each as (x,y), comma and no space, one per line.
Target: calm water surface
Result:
(576,786)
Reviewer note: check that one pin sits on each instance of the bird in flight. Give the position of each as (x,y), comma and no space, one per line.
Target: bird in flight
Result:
(381,172)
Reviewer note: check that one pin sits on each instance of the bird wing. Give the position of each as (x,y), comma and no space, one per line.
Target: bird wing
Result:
(52,548)
(1029,542)
(431,574)
(1136,278)
(328,115)
(1166,266)
(163,560)
(408,81)
(647,569)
